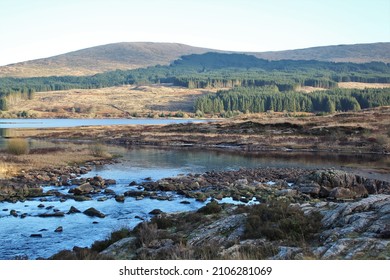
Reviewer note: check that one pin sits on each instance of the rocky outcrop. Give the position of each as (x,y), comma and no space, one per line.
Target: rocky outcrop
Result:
(355,229)
(14,192)
(337,184)
(29,184)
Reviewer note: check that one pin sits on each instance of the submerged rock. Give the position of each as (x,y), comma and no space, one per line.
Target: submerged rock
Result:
(59,229)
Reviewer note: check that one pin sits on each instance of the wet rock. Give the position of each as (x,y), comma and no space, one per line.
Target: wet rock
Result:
(36,235)
(109,191)
(81,198)
(59,229)
(133,183)
(156,212)
(120,198)
(54,214)
(110,182)
(73,210)
(24,215)
(13,213)
(41,206)
(135,193)
(82,189)
(44,229)
(92,212)
(101,199)
(185,202)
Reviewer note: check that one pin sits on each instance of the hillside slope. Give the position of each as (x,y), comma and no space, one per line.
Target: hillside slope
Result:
(359,53)
(100,59)
(142,54)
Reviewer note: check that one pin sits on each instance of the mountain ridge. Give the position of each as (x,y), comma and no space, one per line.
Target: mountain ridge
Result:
(131,55)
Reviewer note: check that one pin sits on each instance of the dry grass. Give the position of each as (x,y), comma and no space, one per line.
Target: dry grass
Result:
(7,170)
(17,146)
(121,101)
(40,159)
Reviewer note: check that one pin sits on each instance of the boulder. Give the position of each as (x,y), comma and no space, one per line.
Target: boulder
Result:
(81,198)
(92,212)
(109,182)
(341,193)
(109,191)
(73,210)
(85,188)
(312,189)
(120,198)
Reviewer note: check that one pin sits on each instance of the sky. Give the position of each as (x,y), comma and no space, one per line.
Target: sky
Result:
(32,29)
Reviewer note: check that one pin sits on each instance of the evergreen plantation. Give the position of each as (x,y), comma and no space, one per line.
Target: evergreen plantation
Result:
(262,99)
(256,85)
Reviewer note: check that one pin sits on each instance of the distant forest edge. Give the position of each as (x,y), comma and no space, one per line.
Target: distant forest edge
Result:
(264,85)
(263,99)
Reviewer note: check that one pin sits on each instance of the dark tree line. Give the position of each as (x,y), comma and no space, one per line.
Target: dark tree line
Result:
(263,99)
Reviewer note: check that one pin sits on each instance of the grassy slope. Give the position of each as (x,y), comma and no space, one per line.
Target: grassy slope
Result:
(109,102)
(135,55)
(101,58)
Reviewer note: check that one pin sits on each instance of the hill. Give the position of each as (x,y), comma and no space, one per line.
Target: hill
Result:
(101,59)
(136,55)
(359,53)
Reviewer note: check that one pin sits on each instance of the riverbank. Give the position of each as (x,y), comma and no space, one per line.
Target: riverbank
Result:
(322,214)
(353,132)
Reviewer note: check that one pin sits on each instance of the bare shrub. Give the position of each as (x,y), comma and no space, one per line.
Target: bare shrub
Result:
(147,232)
(98,150)
(17,146)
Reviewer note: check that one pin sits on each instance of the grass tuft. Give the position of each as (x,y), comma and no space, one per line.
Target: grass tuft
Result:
(17,146)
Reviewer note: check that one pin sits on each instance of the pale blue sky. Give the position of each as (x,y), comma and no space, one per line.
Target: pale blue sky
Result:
(31,29)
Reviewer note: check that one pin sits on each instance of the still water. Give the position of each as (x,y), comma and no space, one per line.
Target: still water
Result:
(51,123)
